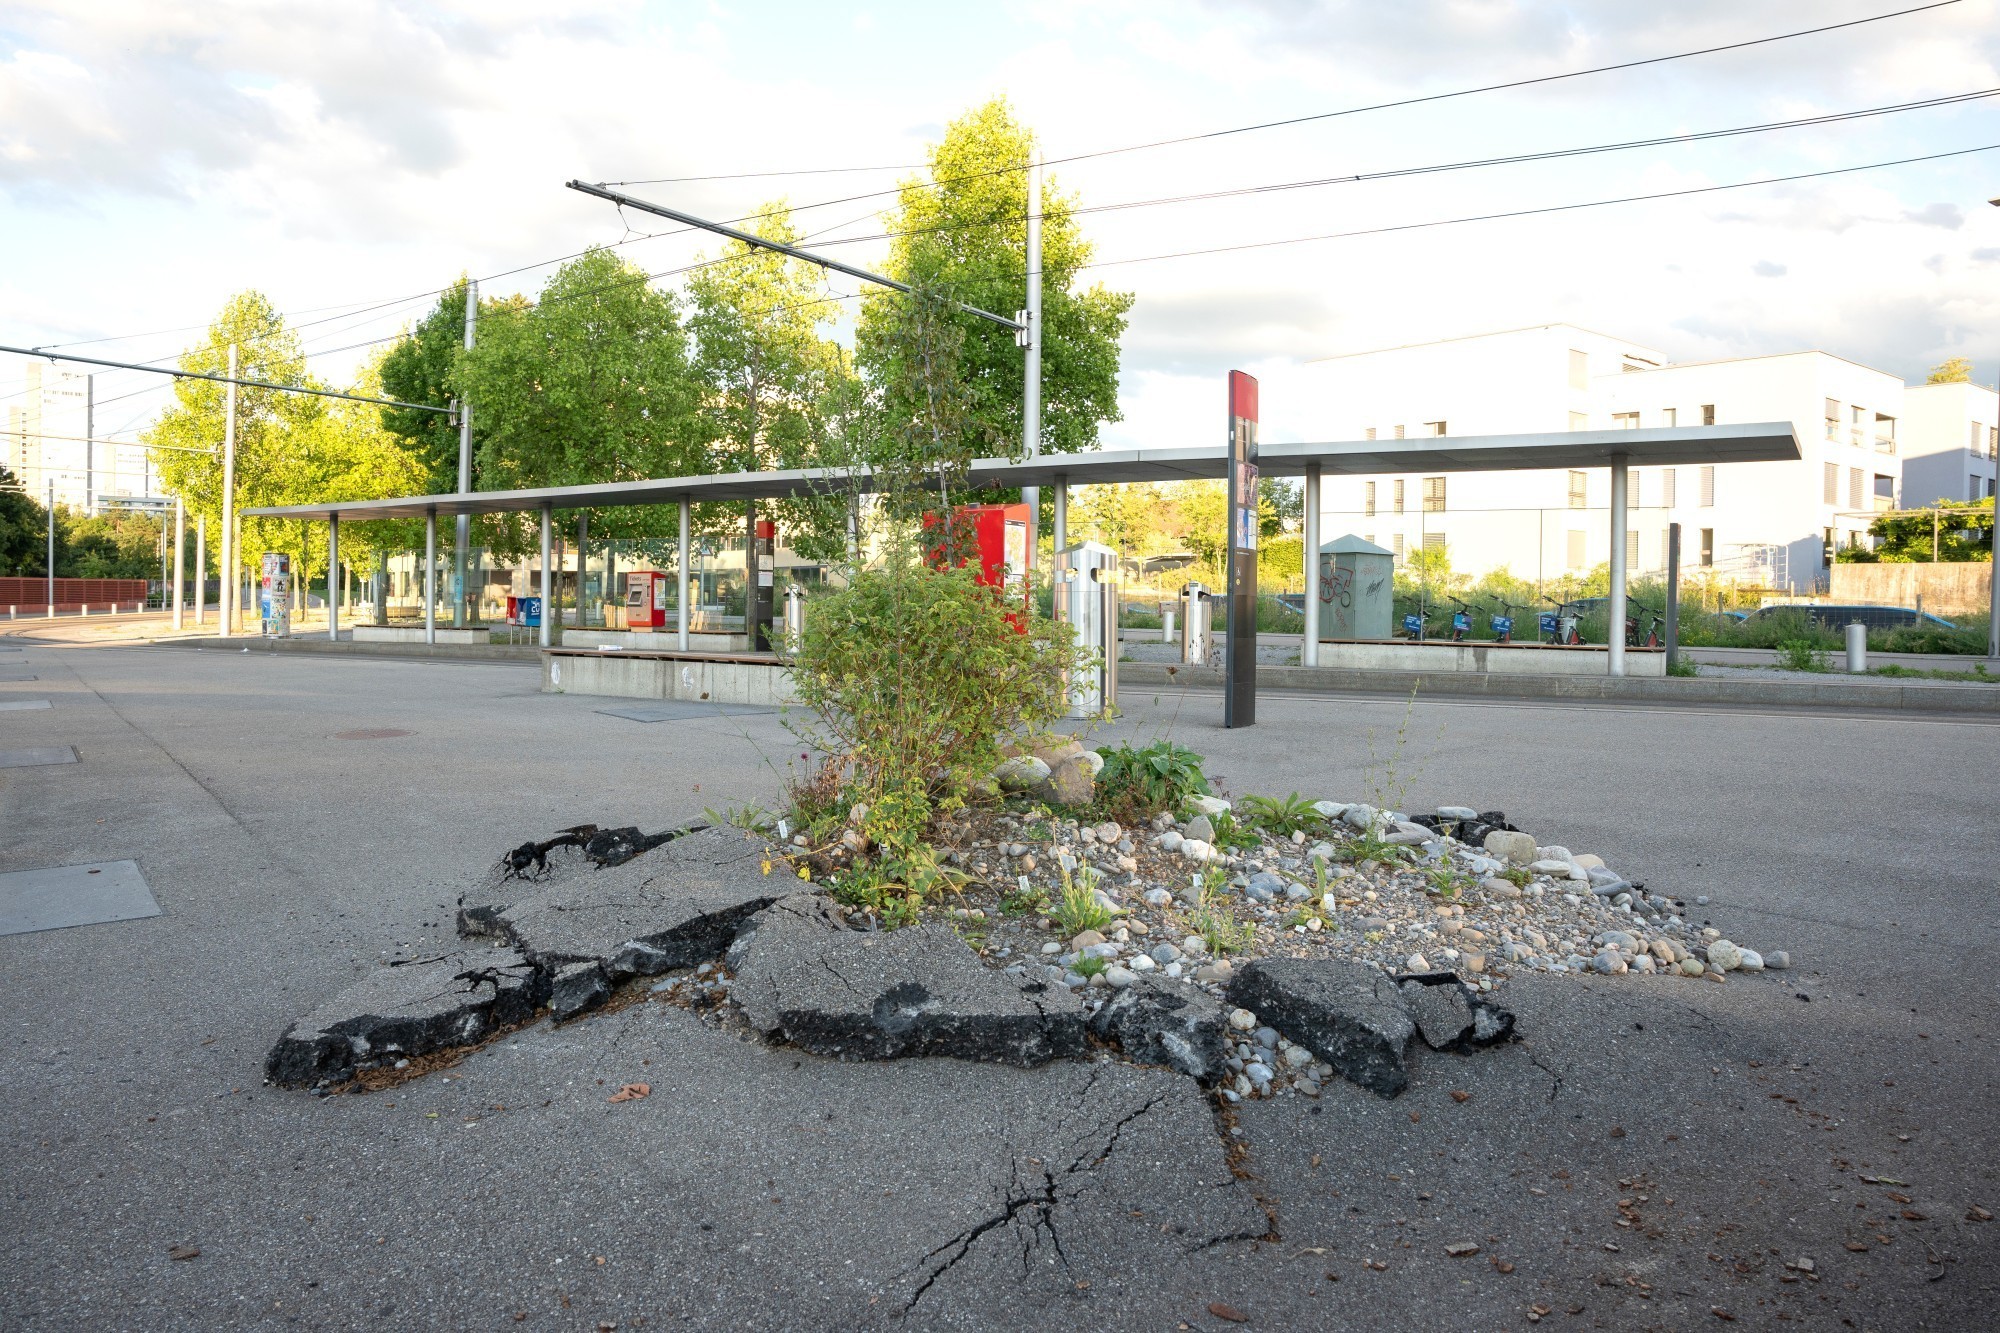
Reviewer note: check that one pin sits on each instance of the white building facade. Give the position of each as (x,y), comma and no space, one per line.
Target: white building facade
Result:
(51,437)
(1767,524)
(1952,441)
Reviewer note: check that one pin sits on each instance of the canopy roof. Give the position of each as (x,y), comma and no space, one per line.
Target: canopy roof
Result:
(1660,447)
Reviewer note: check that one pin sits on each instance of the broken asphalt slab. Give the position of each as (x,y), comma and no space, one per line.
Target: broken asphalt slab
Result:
(1450,1015)
(1159,1023)
(1350,1015)
(883,995)
(409,1009)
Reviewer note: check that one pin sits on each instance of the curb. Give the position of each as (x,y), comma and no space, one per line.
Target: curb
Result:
(499,652)
(1939,698)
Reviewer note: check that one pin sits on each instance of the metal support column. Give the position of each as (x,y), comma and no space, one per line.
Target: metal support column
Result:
(1031,413)
(582,560)
(200,568)
(180,556)
(334,583)
(1062,511)
(461,550)
(685,612)
(430,576)
(548,514)
(1309,653)
(1673,596)
(231,557)
(1614,632)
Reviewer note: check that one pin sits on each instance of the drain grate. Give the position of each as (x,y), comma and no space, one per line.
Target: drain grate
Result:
(371,734)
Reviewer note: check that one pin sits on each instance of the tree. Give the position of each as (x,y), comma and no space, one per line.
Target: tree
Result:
(422,367)
(23,529)
(775,393)
(964,232)
(1950,530)
(1952,370)
(591,383)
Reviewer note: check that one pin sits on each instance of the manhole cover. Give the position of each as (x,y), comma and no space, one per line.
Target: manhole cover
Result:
(370,734)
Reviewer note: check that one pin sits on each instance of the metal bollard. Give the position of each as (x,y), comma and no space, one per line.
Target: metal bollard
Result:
(1857,648)
(1167,625)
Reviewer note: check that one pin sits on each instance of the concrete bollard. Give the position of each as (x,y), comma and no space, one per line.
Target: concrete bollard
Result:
(1167,627)
(1857,648)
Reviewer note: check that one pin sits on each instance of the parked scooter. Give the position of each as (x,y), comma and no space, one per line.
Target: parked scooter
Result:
(1461,620)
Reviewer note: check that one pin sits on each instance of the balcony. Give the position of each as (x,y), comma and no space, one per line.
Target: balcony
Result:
(1885,444)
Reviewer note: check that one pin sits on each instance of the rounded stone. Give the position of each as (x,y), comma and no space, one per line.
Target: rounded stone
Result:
(1749,960)
(1692,967)
(1242,1020)
(1724,956)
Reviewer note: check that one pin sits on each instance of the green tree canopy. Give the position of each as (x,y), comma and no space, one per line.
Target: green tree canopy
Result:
(963,232)
(23,529)
(422,367)
(591,383)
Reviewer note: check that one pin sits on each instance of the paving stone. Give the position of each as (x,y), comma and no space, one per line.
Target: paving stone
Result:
(1165,1023)
(406,1010)
(881,995)
(1350,1015)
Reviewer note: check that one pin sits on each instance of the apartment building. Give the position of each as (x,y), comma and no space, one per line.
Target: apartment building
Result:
(52,437)
(1952,442)
(1769,523)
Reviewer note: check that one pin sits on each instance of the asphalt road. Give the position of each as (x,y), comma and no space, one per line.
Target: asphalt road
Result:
(1727,1128)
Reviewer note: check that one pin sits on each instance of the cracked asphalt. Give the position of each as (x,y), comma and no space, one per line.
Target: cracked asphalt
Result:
(1652,1153)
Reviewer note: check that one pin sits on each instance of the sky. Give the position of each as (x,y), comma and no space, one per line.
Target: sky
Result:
(349,159)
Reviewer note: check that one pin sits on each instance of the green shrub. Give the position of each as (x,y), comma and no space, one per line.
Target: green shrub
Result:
(1683,666)
(1280,815)
(915,675)
(1967,637)
(1802,655)
(1079,909)
(1785,624)
(1137,784)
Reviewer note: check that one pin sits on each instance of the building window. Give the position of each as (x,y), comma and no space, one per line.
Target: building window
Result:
(1670,416)
(1399,432)
(1830,484)
(1433,541)
(1396,547)
(1624,421)
(1972,490)
(1859,429)
(1579,369)
(1368,537)
(1579,490)
(1832,419)
(1368,498)
(1579,421)
(1708,486)
(1399,494)
(1433,495)
(1978,433)
(1631,551)
(1885,433)
(1854,488)
(1575,552)
(1707,547)
(1666,548)
(1434,428)
(1668,488)
(1708,414)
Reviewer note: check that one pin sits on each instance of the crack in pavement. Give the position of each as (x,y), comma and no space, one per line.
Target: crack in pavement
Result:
(1555,1079)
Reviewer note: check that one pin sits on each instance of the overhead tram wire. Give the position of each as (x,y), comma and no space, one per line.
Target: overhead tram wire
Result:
(1140,147)
(1391,105)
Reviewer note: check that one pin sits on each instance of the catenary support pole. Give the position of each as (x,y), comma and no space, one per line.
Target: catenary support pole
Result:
(548,516)
(684,613)
(180,554)
(1309,652)
(430,576)
(462,530)
(1031,406)
(334,583)
(200,569)
(52,545)
(230,556)
(1673,596)
(1614,633)
(582,561)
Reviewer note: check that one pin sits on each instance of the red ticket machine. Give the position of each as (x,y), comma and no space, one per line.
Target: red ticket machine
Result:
(997,537)
(647,596)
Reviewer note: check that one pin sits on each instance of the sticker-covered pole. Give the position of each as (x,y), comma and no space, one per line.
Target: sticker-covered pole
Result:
(1239,660)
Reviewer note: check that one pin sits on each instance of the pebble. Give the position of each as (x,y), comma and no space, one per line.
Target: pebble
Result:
(1052,947)
(1084,939)
(1108,832)
(1458,812)
(1171,840)
(1157,898)
(1199,829)
(1165,953)
(1194,945)
(1141,963)
(1242,1020)
(1778,959)
(1416,962)
(1692,967)
(1749,960)
(1724,956)
(1610,964)
(1197,850)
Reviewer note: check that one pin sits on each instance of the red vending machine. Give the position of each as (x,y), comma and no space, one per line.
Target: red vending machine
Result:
(997,535)
(647,596)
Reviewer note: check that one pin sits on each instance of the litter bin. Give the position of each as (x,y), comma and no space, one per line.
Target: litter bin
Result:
(1857,647)
(1196,615)
(1086,599)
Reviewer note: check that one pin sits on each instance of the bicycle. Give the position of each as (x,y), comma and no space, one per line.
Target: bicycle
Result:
(1503,625)
(1559,626)
(1652,630)
(1461,620)
(1417,626)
